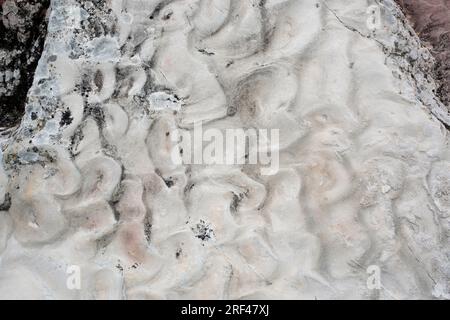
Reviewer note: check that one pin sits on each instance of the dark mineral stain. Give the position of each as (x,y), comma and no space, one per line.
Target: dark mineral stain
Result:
(169,182)
(205,52)
(168,15)
(52,58)
(231,111)
(98,80)
(6,203)
(203,231)
(66,118)
(237,198)
(157,10)
(147,229)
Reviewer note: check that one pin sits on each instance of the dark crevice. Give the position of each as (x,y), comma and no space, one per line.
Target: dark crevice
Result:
(7,201)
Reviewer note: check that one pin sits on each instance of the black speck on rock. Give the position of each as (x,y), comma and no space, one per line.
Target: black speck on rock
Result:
(203,231)
(66,118)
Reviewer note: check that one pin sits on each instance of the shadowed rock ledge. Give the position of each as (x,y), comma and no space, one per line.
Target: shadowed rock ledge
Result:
(23,28)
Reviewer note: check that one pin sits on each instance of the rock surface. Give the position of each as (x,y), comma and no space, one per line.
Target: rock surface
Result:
(88,190)
(431,20)
(23,26)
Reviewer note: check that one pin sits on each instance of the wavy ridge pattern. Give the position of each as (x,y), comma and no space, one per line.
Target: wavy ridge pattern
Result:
(363,174)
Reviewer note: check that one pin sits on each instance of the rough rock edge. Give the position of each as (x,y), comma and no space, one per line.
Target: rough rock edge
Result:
(420,71)
(408,57)
(26,44)
(435,33)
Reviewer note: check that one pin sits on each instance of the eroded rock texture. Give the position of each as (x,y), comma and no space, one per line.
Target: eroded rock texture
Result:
(431,20)
(87,182)
(23,27)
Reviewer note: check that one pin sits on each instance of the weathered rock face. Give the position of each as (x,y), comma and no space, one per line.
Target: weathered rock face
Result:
(93,205)
(431,20)
(23,28)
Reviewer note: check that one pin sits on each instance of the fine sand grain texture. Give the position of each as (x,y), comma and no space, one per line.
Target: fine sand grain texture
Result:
(360,205)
